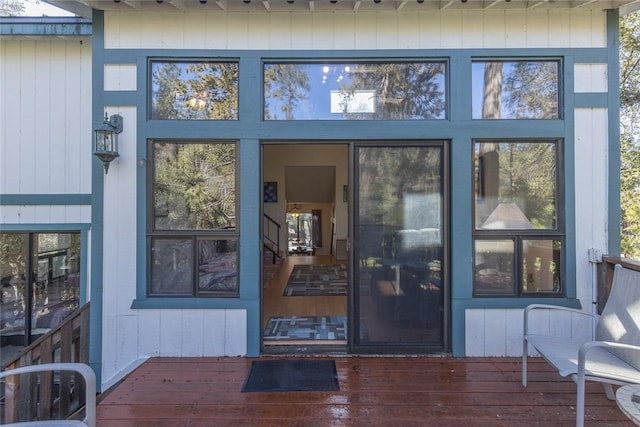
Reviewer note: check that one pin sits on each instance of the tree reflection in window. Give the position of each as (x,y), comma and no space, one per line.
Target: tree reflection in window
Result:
(194,90)
(194,186)
(515,90)
(355,91)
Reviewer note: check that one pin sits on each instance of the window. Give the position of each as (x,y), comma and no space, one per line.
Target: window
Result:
(516,89)
(194,90)
(355,91)
(192,237)
(518,231)
(39,283)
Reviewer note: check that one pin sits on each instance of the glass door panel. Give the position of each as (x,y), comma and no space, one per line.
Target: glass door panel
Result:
(399,247)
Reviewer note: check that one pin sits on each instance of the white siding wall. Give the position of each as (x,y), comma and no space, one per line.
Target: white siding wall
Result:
(363,30)
(498,332)
(181,332)
(45,118)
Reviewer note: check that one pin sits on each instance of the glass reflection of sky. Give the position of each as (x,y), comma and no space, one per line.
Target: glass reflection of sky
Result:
(323,79)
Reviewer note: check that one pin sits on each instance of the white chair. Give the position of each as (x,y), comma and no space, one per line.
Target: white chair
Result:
(90,389)
(612,357)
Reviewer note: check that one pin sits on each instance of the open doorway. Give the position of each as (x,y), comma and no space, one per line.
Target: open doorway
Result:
(305,274)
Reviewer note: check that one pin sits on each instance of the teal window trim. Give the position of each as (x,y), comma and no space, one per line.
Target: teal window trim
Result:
(516,303)
(44,199)
(190,303)
(613,67)
(131,56)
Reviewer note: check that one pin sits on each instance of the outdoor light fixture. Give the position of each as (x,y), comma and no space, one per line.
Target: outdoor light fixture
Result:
(106,140)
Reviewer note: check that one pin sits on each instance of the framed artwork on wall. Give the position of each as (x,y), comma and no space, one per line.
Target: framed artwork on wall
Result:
(270,192)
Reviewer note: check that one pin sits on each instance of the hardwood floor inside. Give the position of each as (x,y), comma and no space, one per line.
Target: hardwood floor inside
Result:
(276,304)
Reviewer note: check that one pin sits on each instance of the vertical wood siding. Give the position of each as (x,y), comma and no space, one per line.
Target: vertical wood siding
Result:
(45,120)
(362,30)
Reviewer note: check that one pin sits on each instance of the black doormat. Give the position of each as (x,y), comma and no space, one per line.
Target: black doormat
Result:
(292,375)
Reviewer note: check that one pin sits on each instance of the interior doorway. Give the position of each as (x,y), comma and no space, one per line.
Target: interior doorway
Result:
(361,235)
(305,218)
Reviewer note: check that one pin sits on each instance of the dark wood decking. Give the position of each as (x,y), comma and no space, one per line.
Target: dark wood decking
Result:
(374,391)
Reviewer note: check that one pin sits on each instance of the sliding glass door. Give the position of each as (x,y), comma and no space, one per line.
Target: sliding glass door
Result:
(399,246)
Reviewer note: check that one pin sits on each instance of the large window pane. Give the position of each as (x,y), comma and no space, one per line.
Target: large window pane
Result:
(57,284)
(39,284)
(13,281)
(194,90)
(355,91)
(515,90)
(400,246)
(194,186)
(515,186)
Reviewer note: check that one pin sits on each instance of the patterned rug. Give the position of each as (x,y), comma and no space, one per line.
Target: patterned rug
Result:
(306,330)
(317,280)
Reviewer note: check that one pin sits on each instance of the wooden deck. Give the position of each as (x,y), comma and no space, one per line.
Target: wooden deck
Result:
(374,391)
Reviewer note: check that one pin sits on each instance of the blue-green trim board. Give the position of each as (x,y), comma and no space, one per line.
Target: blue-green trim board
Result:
(97,202)
(613,67)
(44,199)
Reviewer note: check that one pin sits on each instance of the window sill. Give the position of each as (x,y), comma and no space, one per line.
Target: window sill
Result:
(191,303)
(516,302)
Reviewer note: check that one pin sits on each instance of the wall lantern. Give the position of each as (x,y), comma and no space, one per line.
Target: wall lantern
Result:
(106,140)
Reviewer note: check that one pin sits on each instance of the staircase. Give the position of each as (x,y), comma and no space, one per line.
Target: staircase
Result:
(272,255)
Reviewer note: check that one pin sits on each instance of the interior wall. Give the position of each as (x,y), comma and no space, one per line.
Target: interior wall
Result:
(276,157)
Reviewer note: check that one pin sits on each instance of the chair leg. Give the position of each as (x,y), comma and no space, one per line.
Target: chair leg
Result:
(608,389)
(580,403)
(524,362)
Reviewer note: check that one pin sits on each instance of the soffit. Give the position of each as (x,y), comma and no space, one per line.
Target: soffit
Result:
(83,7)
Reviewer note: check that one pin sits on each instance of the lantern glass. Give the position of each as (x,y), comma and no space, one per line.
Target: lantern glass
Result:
(106,141)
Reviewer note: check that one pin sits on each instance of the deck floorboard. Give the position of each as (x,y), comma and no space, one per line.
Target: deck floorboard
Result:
(374,391)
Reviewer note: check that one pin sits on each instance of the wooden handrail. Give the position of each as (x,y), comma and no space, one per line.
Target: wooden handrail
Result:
(68,342)
(271,243)
(605,275)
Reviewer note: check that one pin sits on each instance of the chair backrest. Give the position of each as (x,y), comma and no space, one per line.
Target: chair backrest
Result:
(620,318)
(84,370)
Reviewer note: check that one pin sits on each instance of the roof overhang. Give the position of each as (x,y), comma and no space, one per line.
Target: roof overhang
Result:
(83,7)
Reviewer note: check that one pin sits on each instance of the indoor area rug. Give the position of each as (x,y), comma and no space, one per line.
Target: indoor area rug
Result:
(316,280)
(292,375)
(296,330)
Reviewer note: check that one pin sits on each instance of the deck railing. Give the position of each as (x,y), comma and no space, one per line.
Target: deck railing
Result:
(47,396)
(605,275)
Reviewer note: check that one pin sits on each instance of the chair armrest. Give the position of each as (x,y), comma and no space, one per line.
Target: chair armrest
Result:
(531,307)
(84,370)
(586,347)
